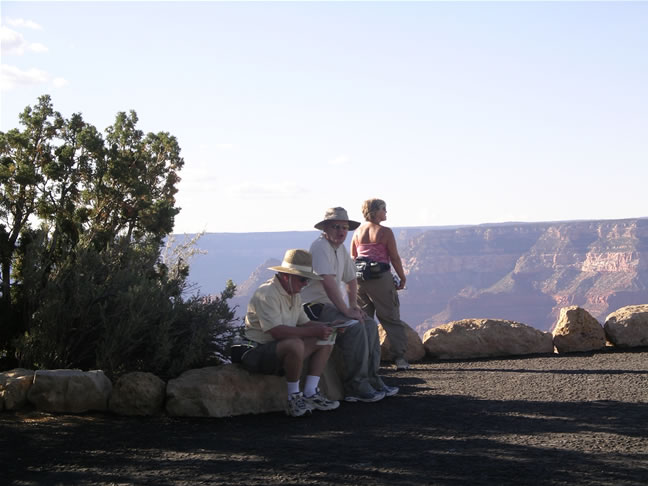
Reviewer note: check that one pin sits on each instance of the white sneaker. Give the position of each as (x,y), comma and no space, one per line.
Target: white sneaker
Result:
(297,406)
(320,402)
(401,364)
(390,391)
(368,397)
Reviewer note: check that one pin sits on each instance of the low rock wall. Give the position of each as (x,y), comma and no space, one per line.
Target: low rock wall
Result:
(228,389)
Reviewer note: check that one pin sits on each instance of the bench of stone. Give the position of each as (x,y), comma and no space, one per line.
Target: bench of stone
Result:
(217,391)
(226,390)
(68,391)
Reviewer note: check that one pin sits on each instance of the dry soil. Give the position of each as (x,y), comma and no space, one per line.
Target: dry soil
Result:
(543,420)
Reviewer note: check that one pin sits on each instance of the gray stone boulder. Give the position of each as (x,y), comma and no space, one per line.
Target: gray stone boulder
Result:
(14,385)
(628,326)
(485,338)
(223,391)
(577,331)
(138,393)
(72,391)
(415,349)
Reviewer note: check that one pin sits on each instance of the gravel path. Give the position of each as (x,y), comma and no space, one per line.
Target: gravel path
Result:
(548,420)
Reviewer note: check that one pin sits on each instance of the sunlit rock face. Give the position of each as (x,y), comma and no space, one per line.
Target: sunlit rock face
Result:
(628,327)
(577,331)
(415,350)
(485,338)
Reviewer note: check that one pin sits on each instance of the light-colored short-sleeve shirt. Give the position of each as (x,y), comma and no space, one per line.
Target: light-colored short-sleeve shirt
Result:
(272,306)
(328,260)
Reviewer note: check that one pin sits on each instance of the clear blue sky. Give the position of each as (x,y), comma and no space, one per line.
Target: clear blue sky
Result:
(453,112)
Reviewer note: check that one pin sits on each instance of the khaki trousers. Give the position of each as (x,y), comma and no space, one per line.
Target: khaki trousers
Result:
(379,296)
(360,347)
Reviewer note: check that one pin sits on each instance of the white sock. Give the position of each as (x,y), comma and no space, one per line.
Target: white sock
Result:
(310,387)
(293,387)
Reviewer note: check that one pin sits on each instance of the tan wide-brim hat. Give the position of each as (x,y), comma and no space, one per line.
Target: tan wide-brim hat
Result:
(297,262)
(337,214)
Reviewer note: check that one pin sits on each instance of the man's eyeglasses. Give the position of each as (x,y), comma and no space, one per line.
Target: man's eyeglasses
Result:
(302,279)
(344,227)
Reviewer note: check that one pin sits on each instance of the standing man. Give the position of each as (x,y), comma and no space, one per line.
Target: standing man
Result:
(285,336)
(360,344)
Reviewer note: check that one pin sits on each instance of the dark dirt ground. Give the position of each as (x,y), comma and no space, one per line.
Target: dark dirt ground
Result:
(544,420)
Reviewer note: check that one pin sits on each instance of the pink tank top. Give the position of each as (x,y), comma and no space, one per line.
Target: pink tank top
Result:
(374,251)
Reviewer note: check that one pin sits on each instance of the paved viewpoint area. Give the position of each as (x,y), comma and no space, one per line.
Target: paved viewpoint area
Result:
(559,419)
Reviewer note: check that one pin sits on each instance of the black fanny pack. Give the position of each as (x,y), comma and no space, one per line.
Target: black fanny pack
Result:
(313,311)
(367,269)
(238,350)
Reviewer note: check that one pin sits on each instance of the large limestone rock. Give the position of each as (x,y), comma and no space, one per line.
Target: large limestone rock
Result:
(628,326)
(577,331)
(223,391)
(73,391)
(484,338)
(14,385)
(138,393)
(415,349)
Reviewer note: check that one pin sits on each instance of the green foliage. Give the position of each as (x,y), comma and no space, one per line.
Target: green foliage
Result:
(88,288)
(119,310)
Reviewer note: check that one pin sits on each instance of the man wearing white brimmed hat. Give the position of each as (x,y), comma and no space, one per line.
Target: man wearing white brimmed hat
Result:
(360,344)
(285,336)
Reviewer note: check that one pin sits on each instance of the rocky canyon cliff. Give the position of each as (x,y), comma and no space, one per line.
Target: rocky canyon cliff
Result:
(524,272)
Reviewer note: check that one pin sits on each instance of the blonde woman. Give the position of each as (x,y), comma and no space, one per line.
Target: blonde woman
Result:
(379,295)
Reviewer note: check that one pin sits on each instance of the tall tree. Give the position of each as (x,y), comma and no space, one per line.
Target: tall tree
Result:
(23,155)
(82,191)
(133,191)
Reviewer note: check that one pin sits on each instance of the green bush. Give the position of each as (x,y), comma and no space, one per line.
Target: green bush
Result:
(122,310)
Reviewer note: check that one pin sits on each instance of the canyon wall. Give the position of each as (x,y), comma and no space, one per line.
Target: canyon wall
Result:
(524,272)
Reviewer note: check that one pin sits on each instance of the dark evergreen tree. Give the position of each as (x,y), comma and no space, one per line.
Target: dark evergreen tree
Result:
(82,222)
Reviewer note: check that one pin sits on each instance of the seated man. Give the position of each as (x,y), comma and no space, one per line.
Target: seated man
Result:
(360,344)
(276,321)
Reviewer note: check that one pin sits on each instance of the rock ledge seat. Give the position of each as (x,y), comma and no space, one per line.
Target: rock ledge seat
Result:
(227,390)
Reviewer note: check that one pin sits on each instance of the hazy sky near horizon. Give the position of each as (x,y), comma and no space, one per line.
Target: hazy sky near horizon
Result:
(452,112)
